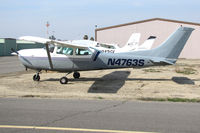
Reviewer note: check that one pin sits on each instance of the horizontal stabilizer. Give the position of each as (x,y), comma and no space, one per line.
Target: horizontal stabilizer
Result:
(152,37)
(163,61)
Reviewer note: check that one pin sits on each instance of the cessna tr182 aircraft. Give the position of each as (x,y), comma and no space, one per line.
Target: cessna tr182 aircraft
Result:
(70,58)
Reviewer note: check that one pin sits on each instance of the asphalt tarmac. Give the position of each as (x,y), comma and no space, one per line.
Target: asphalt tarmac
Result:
(69,116)
(9,64)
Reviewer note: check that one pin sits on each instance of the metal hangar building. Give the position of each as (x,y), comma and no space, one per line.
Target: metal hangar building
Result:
(159,27)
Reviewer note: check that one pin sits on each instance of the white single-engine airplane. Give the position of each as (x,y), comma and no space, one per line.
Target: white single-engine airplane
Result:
(70,58)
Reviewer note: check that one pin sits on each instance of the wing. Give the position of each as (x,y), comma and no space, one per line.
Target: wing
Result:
(34,39)
(49,41)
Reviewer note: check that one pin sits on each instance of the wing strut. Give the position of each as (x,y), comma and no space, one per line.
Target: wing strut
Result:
(49,56)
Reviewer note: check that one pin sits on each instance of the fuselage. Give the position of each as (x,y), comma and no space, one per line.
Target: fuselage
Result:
(66,59)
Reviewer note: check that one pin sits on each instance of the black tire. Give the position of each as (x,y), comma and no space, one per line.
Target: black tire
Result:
(76,75)
(63,80)
(36,77)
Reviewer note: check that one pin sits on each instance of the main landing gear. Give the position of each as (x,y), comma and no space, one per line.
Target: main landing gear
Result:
(63,80)
(76,75)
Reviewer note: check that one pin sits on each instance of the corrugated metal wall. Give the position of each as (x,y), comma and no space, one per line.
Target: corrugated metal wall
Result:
(1,49)
(7,44)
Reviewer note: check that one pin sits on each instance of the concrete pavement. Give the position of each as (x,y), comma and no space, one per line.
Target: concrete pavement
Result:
(99,115)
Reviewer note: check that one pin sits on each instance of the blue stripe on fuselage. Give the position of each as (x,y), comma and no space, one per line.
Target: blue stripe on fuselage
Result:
(96,56)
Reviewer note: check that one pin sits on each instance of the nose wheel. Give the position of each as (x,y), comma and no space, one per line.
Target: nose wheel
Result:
(36,77)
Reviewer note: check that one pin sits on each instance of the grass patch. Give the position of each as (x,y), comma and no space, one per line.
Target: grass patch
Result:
(183,100)
(171,100)
(100,97)
(186,71)
(30,96)
(151,70)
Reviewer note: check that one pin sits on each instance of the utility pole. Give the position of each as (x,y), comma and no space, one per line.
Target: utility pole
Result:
(47,33)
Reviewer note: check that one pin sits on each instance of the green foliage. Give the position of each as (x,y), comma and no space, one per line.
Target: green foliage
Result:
(92,38)
(170,99)
(100,97)
(186,71)
(151,70)
(85,37)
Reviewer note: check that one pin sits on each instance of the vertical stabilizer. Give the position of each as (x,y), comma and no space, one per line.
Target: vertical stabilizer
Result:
(173,46)
(133,41)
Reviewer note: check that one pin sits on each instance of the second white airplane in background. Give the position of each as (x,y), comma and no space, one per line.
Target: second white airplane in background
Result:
(131,45)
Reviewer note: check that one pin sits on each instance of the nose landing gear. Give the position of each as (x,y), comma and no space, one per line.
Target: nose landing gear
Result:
(36,77)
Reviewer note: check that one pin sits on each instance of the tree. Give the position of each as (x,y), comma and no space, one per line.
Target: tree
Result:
(92,38)
(52,37)
(85,37)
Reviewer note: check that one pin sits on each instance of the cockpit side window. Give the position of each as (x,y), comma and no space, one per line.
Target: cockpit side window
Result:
(81,51)
(64,50)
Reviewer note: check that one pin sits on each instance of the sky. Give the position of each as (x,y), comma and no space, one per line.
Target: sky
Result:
(72,19)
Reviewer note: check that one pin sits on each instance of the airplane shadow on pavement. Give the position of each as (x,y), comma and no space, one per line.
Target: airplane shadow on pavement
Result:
(112,82)
(178,80)
(109,83)
(183,80)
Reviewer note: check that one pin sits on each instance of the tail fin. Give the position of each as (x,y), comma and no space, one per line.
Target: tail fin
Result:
(173,46)
(147,44)
(133,41)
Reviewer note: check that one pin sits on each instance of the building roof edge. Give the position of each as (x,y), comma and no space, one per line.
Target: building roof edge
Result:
(147,20)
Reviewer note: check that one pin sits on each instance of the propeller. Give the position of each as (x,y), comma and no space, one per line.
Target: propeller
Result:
(14,52)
